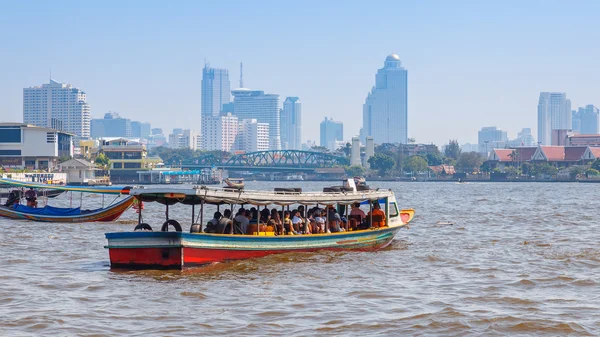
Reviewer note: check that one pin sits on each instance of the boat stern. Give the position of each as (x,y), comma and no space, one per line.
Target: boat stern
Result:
(143,250)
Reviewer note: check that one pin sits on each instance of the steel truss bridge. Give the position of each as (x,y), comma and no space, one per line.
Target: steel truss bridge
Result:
(274,161)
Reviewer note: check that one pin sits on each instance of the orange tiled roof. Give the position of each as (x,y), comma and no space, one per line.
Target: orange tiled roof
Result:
(553,153)
(574,153)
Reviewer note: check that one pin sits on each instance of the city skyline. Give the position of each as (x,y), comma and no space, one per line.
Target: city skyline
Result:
(152,68)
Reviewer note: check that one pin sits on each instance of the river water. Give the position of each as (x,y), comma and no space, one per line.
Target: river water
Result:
(494,259)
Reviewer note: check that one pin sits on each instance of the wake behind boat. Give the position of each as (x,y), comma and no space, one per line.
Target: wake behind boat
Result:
(328,224)
(13,208)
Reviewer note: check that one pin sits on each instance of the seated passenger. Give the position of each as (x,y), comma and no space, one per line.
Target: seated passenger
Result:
(242,218)
(378,216)
(275,221)
(265,215)
(320,221)
(297,221)
(288,227)
(335,223)
(356,211)
(224,225)
(211,226)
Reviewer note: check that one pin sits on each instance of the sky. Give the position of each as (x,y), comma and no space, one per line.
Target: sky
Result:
(470,63)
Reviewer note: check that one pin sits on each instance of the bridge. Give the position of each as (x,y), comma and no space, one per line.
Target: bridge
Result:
(270,161)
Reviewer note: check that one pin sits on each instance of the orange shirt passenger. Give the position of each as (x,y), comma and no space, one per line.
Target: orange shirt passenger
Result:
(377,213)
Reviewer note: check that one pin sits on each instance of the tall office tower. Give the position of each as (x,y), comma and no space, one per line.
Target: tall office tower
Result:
(182,139)
(554,113)
(355,152)
(216,92)
(57,105)
(221,133)
(255,104)
(385,112)
(291,124)
(140,130)
(587,120)
(112,125)
(252,136)
(331,133)
(490,138)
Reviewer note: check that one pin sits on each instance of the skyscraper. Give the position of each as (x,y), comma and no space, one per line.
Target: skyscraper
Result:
(331,133)
(385,112)
(216,92)
(255,104)
(57,105)
(554,113)
(490,138)
(587,121)
(252,136)
(221,132)
(291,124)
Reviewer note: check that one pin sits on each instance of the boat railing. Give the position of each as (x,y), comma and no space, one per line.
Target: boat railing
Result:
(308,193)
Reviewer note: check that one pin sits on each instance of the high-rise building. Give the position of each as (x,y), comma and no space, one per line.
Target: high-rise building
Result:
(57,105)
(140,130)
(291,124)
(216,92)
(554,113)
(252,136)
(355,152)
(585,120)
(221,133)
(385,112)
(331,133)
(369,151)
(490,138)
(112,125)
(255,104)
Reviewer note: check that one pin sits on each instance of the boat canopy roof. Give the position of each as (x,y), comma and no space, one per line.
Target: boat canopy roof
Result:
(218,196)
(85,189)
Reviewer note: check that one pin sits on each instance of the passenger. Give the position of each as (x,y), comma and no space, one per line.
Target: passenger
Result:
(242,220)
(320,220)
(287,224)
(265,215)
(275,221)
(297,222)
(301,210)
(211,226)
(13,199)
(31,197)
(254,215)
(356,211)
(335,222)
(377,212)
(224,223)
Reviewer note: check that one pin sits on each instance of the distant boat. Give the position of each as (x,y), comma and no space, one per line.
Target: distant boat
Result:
(70,214)
(49,193)
(237,183)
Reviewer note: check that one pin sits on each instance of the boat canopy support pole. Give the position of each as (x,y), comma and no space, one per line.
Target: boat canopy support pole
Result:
(167,212)
(371,213)
(139,213)
(387,212)
(193,213)
(231,218)
(80,199)
(201,214)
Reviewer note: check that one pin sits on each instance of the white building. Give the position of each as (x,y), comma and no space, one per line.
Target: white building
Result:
(79,171)
(385,112)
(554,113)
(253,136)
(355,152)
(291,124)
(33,147)
(221,133)
(183,139)
(255,104)
(369,151)
(58,106)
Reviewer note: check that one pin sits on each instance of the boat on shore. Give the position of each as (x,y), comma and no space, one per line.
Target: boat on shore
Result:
(235,183)
(144,248)
(15,210)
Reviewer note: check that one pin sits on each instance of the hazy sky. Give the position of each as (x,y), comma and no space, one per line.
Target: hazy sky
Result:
(470,63)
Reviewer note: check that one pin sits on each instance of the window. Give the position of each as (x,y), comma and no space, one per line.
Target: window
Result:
(117,165)
(393,210)
(10,152)
(132,165)
(10,134)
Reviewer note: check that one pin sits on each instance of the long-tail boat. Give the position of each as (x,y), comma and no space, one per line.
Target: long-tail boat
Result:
(71,214)
(144,248)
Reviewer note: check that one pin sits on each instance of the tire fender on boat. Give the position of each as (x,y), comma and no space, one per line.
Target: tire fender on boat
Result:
(174,223)
(142,227)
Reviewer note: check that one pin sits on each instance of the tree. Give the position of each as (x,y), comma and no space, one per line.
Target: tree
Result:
(452,149)
(355,170)
(102,160)
(544,168)
(347,149)
(596,164)
(415,164)
(63,159)
(319,149)
(591,172)
(381,162)
(575,171)
(433,159)
(469,161)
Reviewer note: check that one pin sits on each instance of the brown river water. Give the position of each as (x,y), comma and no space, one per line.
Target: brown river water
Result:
(517,259)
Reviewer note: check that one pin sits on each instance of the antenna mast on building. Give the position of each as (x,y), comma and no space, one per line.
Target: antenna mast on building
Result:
(241,75)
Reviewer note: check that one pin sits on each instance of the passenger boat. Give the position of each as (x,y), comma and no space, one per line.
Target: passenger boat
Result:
(48,193)
(144,248)
(71,214)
